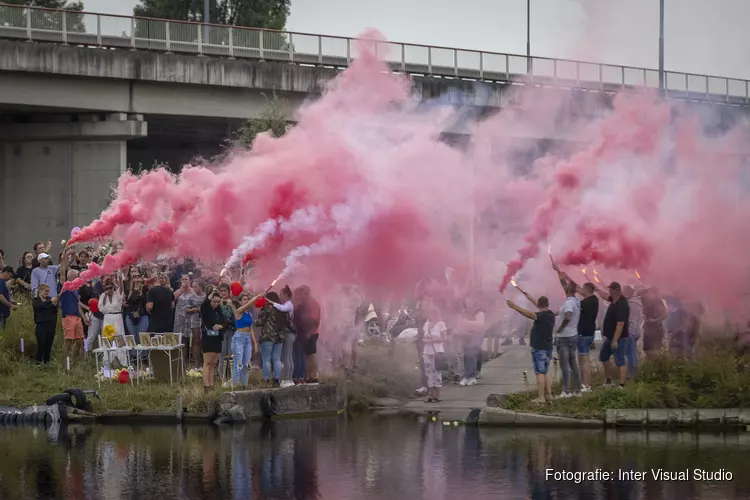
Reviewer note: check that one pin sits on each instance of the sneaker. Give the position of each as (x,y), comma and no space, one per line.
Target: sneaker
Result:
(360,342)
(312,381)
(585,388)
(421,391)
(463,382)
(287,383)
(471,381)
(564,395)
(298,381)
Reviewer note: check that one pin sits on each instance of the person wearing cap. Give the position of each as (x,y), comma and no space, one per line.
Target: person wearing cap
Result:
(6,305)
(45,273)
(616,335)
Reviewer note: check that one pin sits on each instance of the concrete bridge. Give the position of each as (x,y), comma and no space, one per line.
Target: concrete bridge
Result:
(84,95)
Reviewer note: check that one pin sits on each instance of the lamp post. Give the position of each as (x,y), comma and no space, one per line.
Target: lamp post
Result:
(206,19)
(661,47)
(528,36)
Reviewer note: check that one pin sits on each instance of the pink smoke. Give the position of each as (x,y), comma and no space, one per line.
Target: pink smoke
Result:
(365,190)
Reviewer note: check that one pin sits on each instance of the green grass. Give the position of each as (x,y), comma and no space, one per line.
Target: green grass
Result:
(25,383)
(718,378)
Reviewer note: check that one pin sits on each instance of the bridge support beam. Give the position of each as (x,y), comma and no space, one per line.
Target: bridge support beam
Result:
(57,172)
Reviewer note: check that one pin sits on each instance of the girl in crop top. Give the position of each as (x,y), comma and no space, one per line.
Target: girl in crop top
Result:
(244,342)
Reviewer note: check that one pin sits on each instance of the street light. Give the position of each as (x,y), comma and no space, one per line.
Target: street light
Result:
(528,36)
(206,19)
(661,47)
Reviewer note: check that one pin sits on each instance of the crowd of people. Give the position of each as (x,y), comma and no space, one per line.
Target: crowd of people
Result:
(636,322)
(227,330)
(224,329)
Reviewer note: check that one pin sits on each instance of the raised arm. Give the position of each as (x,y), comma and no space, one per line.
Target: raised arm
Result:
(286,307)
(521,310)
(529,297)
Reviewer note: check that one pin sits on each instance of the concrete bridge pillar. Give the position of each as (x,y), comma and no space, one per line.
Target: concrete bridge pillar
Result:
(57,172)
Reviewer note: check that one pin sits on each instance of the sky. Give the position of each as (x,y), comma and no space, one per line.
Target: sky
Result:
(701,36)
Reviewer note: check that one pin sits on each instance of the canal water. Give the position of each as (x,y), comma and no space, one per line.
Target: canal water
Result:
(370,458)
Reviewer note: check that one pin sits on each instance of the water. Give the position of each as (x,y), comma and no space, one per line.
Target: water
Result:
(336,459)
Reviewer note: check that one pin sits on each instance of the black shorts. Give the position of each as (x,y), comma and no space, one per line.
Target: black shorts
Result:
(311,345)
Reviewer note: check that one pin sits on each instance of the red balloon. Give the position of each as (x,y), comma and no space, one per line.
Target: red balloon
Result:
(260,302)
(236,288)
(94,305)
(124,377)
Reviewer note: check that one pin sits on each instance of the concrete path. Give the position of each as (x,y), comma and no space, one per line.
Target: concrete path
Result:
(502,375)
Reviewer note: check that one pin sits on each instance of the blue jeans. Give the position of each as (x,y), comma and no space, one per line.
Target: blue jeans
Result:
(567,350)
(242,351)
(298,356)
(584,344)
(471,360)
(541,359)
(271,352)
(607,352)
(631,355)
(134,328)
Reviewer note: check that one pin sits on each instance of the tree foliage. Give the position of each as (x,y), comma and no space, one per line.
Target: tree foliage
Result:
(269,14)
(271,120)
(48,4)
(74,22)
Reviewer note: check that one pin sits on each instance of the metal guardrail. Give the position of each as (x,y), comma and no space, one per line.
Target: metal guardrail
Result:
(114,31)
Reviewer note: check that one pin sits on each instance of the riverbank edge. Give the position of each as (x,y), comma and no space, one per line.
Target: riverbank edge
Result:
(710,420)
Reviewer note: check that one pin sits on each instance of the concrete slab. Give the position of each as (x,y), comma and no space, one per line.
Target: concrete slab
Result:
(502,375)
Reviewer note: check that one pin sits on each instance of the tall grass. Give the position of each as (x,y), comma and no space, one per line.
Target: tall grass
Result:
(718,377)
(23,382)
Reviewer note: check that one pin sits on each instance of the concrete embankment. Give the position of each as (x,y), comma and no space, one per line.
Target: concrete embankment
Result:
(730,418)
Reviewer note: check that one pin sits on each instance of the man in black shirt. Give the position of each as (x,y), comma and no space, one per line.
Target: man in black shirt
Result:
(159,306)
(586,331)
(615,334)
(541,343)
(586,324)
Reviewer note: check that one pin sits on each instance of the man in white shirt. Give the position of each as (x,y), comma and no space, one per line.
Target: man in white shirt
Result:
(567,341)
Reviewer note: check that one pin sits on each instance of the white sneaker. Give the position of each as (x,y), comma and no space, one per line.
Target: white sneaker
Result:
(564,395)
(471,381)
(286,383)
(463,382)
(360,342)
(421,391)
(585,388)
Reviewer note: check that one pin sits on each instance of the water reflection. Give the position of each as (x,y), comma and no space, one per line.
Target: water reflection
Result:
(371,459)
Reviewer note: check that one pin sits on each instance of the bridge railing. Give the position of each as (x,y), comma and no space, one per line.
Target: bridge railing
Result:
(115,31)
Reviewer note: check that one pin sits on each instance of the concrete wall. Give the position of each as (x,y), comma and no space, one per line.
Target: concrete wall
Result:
(58,178)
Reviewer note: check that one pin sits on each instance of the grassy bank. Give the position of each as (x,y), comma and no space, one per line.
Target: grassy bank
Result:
(25,383)
(717,378)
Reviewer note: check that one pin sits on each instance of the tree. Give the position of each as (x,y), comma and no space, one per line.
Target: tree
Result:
(268,14)
(73,22)
(271,120)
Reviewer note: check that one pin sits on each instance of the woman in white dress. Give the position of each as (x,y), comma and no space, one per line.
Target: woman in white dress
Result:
(110,304)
